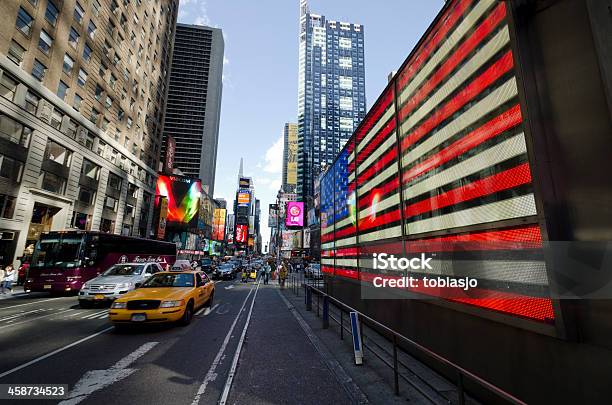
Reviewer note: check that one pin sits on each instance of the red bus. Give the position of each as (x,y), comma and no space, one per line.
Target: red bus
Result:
(64,261)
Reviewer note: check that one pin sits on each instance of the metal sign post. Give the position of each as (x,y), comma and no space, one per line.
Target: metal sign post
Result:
(356,332)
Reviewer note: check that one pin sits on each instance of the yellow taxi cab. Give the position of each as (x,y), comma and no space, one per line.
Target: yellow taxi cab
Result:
(171,296)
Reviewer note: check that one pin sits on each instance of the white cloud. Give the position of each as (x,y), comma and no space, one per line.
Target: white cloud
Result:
(225,60)
(274,157)
(194,10)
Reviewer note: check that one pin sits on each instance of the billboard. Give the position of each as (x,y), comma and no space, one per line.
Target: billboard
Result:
(170,153)
(295,213)
(291,145)
(219,223)
(292,240)
(244,198)
(244,182)
(183,195)
(273,216)
(161,204)
(242,232)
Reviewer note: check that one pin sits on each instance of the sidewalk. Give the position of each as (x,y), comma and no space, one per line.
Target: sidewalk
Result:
(17,291)
(374,377)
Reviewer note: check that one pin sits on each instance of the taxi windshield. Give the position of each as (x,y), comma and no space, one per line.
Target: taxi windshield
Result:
(169,280)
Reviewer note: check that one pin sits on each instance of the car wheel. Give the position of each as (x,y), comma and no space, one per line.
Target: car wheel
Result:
(187,315)
(211,300)
(85,304)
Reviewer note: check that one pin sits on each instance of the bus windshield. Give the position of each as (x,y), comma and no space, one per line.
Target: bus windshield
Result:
(57,251)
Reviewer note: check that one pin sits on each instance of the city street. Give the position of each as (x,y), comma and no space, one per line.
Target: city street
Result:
(47,340)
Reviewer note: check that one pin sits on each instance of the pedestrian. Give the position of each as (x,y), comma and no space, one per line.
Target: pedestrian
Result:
(282,275)
(2,274)
(9,279)
(266,273)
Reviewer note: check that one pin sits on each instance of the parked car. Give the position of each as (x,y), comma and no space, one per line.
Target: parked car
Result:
(313,271)
(116,281)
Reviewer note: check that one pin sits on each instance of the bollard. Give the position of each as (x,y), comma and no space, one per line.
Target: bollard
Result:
(325,312)
(460,390)
(308,299)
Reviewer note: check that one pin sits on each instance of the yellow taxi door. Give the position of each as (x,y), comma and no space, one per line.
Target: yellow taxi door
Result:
(200,290)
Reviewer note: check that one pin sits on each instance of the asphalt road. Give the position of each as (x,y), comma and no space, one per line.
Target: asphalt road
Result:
(247,349)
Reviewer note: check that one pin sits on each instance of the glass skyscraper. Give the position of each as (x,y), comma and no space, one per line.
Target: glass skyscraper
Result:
(331,92)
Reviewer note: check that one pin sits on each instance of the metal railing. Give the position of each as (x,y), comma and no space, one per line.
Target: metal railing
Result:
(298,282)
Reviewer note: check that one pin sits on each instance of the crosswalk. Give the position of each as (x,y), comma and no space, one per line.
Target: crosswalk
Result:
(53,314)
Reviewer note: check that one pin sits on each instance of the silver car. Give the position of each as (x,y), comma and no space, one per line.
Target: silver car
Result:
(117,280)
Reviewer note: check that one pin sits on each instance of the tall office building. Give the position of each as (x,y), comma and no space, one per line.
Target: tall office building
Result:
(194,101)
(290,149)
(83,90)
(331,92)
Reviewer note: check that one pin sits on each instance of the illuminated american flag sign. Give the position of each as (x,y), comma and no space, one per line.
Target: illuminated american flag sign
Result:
(440,165)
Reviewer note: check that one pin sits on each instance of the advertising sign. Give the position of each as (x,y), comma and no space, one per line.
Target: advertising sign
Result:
(183,196)
(244,182)
(292,151)
(170,153)
(242,232)
(244,198)
(295,213)
(292,240)
(273,216)
(162,209)
(219,224)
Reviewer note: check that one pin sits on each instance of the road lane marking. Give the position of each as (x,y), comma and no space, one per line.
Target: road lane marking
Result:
(30,303)
(229,287)
(93,315)
(211,375)
(209,310)
(96,380)
(232,371)
(21,314)
(9,323)
(61,349)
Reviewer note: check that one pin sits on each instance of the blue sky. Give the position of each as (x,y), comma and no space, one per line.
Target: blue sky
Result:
(260,73)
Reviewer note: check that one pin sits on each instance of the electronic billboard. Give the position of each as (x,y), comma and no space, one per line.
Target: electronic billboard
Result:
(183,195)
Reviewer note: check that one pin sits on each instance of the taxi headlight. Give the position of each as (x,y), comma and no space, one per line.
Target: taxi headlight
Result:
(119,305)
(172,304)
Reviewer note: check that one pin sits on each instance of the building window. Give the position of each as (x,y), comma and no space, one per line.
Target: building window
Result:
(78,13)
(90,169)
(73,37)
(38,70)
(8,86)
(104,124)
(16,52)
(346,103)
(14,131)
(129,123)
(56,119)
(109,102)
(7,206)
(76,102)
(81,221)
(91,29)
(10,169)
(107,225)
(31,102)
(68,64)
(71,128)
(82,79)
(62,89)
(345,63)
(51,13)
(110,203)
(87,53)
(57,153)
(24,22)
(51,182)
(114,181)
(89,141)
(45,42)
(95,114)
(112,81)
(86,195)
(99,91)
